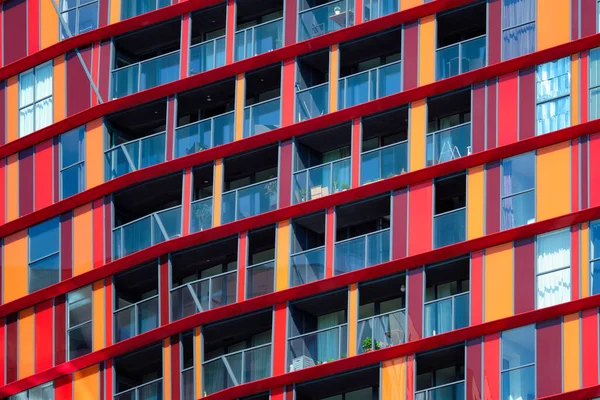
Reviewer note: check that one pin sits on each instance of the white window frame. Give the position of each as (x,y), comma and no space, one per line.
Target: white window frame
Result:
(35,100)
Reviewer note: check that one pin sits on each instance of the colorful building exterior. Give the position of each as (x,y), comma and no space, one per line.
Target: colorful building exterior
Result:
(299,199)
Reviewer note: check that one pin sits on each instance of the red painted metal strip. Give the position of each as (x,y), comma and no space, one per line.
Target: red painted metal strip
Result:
(476,287)
(95,69)
(43,174)
(400,223)
(98,232)
(33,26)
(508,91)
(66,246)
(63,388)
(329,241)
(241,274)
(415,304)
(411,56)
(589,342)
(279,338)
(492,197)
(526,103)
(104,73)
(175,368)
(43,335)
(170,127)
(524,259)
(420,220)
(478,117)
(474,369)
(185,45)
(574,19)
(491,366)
(78,89)
(26,181)
(549,357)
(491,114)
(2,103)
(290,18)
(288,92)
(285,173)
(356,149)
(187,199)
(108,229)
(55,168)
(60,334)
(494,31)
(575,263)
(2,341)
(585,184)
(229,32)
(103,13)
(164,290)
(15,27)
(594,148)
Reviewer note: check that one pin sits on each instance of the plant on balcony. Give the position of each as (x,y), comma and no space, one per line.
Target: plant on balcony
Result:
(271,187)
(337,10)
(203,215)
(345,186)
(302,194)
(367,344)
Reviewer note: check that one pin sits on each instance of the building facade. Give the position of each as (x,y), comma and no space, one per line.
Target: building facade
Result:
(299,199)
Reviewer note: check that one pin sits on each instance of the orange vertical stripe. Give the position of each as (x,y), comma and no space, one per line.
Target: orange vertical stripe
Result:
(26,341)
(115,11)
(416,142)
(283,254)
(553,175)
(475,196)
(99,316)
(240,94)
(427,50)
(94,154)
(406,4)
(12,109)
(15,266)
(217,191)
(352,319)
(334,76)
(553,23)
(498,282)
(167,369)
(198,361)
(58,81)
(12,187)
(571,352)
(48,24)
(86,383)
(393,379)
(82,239)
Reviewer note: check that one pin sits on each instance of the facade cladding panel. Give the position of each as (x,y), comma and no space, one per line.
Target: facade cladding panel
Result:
(298,199)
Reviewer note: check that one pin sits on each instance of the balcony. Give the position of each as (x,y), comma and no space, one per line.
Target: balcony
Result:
(312,102)
(135,380)
(449,219)
(201,207)
(449,227)
(322,180)
(378,8)
(136,154)
(441,374)
(207,48)
(461,57)
(203,294)
(370,85)
(450,391)
(316,20)
(312,85)
(146,74)
(361,384)
(262,117)
(132,8)
(251,200)
(261,262)
(258,39)
(362,251)
(446,314)
(262,110)
(452,143)
(307,259)
(204,134)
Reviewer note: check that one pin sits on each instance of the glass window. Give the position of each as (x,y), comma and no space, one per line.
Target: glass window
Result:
(518,363)
(518,28)
(553,95)
(44,261)
(78,16)
(553,270)
(72,157)
(42,392)
(35,99)
(518,190)
(595,256)
(594,82)
(79,325)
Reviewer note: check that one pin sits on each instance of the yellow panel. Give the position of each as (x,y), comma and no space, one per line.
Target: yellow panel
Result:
(12,109)
(393,379)
(352,319)
(48,24)
(240,94)
(217,192)
(12,183)
(115,11)
(416,140)
(283,255)
(99,316)
(15,266)
(574,90)
(475,198)
(406,4)
(58,94)
(571,352)
(427,50)
(94,155)
(82,239)
(26,340)
(334,73)
(498,284)
(198,362)
(166,369)
(86,383)
(585,266)
(553,170)
(553,23)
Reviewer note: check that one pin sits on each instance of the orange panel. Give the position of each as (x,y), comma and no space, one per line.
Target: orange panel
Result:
(352,319)
(115,11)
(553,23)
(82,239)
(26,340)
(15,266)
(166,369)
(12,187)
(571,352)
(334,73)
(94,154)
(406,4)
(475,196)
(498,282)
(99,317)
(240,93)
(417,135)
(283,255)
(86,383)
(59,98)
(393,379)
(217,191)
(198,361)
(48,24)
(553,170)
(575,90)
(427,50)
(12,109)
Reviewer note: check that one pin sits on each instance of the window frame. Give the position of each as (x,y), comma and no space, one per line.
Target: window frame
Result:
(68,320)
(553,99)
(45,257)
(508,196)
(591,260)
(28,394)
(77,9)
(589,80)
(35,101)
(520,367)
(553,270)
(61,168)
(504,29)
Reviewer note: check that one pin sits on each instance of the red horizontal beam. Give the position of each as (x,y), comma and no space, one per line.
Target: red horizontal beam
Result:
(586,393)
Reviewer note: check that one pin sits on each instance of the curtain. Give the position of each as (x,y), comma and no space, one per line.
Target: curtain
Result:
(438,317)
(554,254)
(553,79)
(26,86)
(328,341)
(553,115)
(518,41)
(43,90)
(517,12)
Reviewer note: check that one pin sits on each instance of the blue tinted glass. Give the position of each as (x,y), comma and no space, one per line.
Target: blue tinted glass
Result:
(595,240)
(71,145)
(518,174)
(595,277)
(43,239)
(43,273)
(518,347)
(72,181)
(519,384)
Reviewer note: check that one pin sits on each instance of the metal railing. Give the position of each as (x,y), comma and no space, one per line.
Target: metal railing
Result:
(136,318)
(383,162)
(250,200)
(147,391)
(370,84)
(258,39)
(188,384)
(260,278)
(449,227)
(447,314)
(318,347)
(204,134)
(449,391)
(362,251)
(131,8)
(312,102)
(449,143)
(201,214)
(307,266)
(145,74)
(460,57)
(135,154)
(378,8)
(321,180)
(381,331)
(207,55)
(262,117)
(325,18)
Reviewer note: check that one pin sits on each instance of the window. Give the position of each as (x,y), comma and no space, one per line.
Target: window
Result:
(35,99)
(44,261)
(553,271)
(553,95)
(72,157)
(188,382)
(79,16)
(595,256)
(518,28)
(79,323)
(594,82)
(42,392)
(518,190)
(518,363)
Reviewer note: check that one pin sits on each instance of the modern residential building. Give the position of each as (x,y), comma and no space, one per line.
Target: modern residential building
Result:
(299,199)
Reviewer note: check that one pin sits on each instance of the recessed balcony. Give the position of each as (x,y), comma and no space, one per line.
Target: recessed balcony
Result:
(258,29)
(450,210)
(318,17)
(441,374)
(262,109)
(261,261)
(362,384)
(139,380)
(207,47)
(312,85)
(307,259)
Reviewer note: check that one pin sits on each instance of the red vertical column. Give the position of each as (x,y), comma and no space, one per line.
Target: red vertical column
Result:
(491,115)
(584,170)
(588,17)
(574,19)
(285,172)
(491,366)
(589,342)
(175,368)
(11,348)
(358,9)
(355,146)
(230,31)
(279,394)
(524,259)
(415,303)
(104,70)
(411,55)
(185,45)
(98,224)
(594,170)
(549,357)
(476,287)
(478,117)
(494,31)
(33,26)
(43,174)
(492,197)
(329,241)
(95,71)
(26,181)
(584,94)
(474,369)
(289,21)
(170,126)
(2,347)
(164,289)
(575,262)
(508,91)
(526,103)
(109,310)
(56,169)
(288,92)
(241,290)
(66,245)
(420,222)
(43,335)
(399,223)
(279,338)
(60,335)
(63,387)
(410,377)
(187,200)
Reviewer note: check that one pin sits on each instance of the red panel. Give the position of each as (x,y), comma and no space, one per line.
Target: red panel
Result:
(109,311)
(104,73)
(229,31)
(242,252)
(279,339)
(63,388)
(574,19)
(588,17)
(494,31)
(411,55)
(278,394)
(187,199)
(329,241)
(185,44)
(420,219)
(289,392)
(575,174)
(584,169)
(491,367)
(44,325)
(26,181)
(285,173)
(575,263)
(164,290)
(358,18)
(11,348)
(410,377)
(66,246)
(108,228)
(2,335)
(549,357)
(103,13)
(2,102)
(415,304)
(288,92)
(289,21)
(98,218)
(400,223)
(175,368)
(524,259)
(109,378)
(60,335)
(583,81)
(589,342)
(594,148)
(491,115)
(478,117)
(95,71)
(79,93)
(15,28)
(56,171)
(492,197)
(356,149)
(508,91)
(43,174)
(526,103)
(33,26)
(474,369)
(170,126)
(2,189)
(476,287)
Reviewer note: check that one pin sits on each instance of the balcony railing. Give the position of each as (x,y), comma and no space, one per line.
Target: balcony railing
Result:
(207,55)
(449,391)
(136,318)
(460,57)
(449,144)
(131,8)
(312,102)
(261,278)
(262,117)
(136,154)
(203,294)
(258,39)
(362,251)
(447,314)
(250,200)
(370,85)
(381,331)
(201,214)
(145,74)
(449,227)
(236,368)
(378,8)
(146,231)
(318,347)
(325,18)
(383,162)
(147,391)
(307,266)
(188,384)
(204,134)
(322,180)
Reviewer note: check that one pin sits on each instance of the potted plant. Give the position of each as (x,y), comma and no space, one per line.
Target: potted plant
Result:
(203,216)
(367,344)
(337,10)
(345,186)
(302,194)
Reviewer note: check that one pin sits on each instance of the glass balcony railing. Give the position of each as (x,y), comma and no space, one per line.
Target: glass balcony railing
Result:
(381,331)
(147,391)
(134,155)
(325,18)
(378,8)
(318,347)
(203,294)
(145,74)
(188,384)
(131,8)
(136,319)
(262,117)
(449,227)
(258,39)
(370,85)
(460,57)
(450,391)
(207,55)
(236,368)
(146,231)
(307,266)
(383,162)
(202,135)
(250,200)
(449,144)
(322,180)
(362,251)
(261,278)
(312,102)
(447,314)
(201,214)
